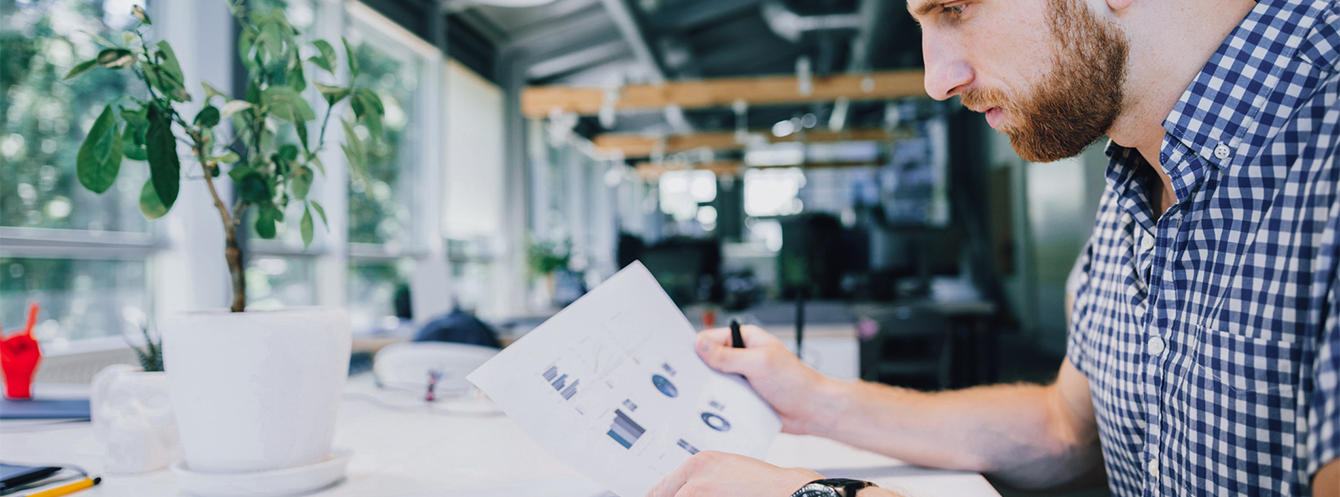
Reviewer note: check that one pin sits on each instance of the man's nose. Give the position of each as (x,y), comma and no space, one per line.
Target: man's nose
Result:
(947,73)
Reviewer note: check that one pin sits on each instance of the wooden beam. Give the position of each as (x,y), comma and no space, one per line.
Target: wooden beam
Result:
(643,146)
(650,172)
(540,101)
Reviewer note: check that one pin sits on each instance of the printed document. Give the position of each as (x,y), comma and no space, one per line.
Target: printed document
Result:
(612,386)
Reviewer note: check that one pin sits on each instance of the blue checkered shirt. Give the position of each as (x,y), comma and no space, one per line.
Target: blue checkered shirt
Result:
(1209,335)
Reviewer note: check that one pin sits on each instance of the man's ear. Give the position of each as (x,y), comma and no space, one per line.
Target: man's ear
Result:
(1117,5)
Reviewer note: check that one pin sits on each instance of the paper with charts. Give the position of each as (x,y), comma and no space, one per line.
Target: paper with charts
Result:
(612,386)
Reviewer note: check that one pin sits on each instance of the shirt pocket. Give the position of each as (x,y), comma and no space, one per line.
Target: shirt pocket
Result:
(1241,419)
(1246,368)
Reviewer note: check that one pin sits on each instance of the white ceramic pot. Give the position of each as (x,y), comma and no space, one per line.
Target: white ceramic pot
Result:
(257,390)
(133,419)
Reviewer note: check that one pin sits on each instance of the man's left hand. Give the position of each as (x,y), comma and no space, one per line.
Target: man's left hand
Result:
(718,473)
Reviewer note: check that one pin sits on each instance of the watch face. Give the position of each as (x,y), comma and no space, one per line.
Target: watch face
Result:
(815,490)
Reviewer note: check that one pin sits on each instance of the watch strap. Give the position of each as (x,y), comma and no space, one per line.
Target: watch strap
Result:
(848,486)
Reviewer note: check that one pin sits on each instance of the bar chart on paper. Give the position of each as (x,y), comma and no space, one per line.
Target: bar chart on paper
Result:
(612,386)
(560,383)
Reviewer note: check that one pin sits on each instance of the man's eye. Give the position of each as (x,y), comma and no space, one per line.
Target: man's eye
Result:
(953,10)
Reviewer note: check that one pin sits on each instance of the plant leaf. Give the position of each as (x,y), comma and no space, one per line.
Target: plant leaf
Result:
(102,41)
(235,106)
(81,68)
(306,227)
(211,92)
(265,221)
(287,104)
(326,58)
(368,107)
(207,117)
(321,211)
(164,165)
(251,186)
(301,128)
(354,152)
(139,13)
(150,205)
(115,58)
(288,152)
(295,78)
(172,82)
(353,62)
(99,158)
(133,144)
(316,161)
(228,158)
(332,94)
(300,182)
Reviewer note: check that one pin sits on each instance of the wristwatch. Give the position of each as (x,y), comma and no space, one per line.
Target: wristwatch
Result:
(832,487)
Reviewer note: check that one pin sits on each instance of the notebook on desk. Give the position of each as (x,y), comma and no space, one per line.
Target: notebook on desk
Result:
(44,409)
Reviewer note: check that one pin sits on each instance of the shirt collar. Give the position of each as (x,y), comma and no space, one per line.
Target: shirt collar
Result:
(1222,101)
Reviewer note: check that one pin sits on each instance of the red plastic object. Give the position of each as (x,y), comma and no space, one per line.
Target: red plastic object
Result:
(19,356)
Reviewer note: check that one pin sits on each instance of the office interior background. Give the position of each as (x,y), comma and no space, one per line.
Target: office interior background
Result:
(495,192)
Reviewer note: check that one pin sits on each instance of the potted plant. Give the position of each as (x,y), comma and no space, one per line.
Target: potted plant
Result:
(545,259)
(132,417)
(253,391)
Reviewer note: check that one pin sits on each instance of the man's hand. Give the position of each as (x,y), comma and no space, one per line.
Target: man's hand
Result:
(717,473)
(807,401)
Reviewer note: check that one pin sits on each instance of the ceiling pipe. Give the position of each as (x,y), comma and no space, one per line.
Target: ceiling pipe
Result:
(870,12)
(632,32)
(790,25)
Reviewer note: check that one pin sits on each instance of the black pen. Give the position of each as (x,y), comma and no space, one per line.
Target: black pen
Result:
(736,339)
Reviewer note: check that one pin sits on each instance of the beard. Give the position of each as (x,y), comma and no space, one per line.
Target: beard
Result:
(1077,102)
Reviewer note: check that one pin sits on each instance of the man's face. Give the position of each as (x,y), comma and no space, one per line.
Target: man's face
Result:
(1047,73)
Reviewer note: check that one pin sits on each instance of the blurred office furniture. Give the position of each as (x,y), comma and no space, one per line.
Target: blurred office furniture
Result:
(817,254)
(830,347)
(913,347)
(688,269)
(408,366)
(459,326)
(740,290)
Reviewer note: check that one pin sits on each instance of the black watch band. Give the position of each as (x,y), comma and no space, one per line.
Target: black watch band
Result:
(846,486)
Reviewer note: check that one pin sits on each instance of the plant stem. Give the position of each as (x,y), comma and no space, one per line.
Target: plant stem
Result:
(232,251)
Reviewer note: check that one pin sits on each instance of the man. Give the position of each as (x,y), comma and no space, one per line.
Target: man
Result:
(1205,343)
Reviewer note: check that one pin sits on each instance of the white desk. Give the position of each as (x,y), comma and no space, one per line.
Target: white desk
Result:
(422,452)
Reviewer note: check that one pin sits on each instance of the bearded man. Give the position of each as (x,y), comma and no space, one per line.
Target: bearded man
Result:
(1204,350)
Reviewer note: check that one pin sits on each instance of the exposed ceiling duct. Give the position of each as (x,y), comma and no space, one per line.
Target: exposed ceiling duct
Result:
(791,26)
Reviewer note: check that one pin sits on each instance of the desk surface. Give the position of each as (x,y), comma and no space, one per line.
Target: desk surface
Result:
(402,448)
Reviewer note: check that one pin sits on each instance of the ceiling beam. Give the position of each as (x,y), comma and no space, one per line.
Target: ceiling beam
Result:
(539,101)
(633,145)
(650,171)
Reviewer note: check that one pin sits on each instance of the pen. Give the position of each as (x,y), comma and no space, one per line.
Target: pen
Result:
(736,339)
(86,482)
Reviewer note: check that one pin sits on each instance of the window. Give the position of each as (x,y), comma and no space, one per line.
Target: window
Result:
(82,256)
(386,241)
(379,210)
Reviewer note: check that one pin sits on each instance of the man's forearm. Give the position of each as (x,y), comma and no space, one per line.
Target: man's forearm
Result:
(1022,434)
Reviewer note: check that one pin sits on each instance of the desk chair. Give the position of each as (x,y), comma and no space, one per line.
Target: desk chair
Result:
(407,365)
(913,348)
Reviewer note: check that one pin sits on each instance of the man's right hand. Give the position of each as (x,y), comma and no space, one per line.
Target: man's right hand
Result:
(808,402)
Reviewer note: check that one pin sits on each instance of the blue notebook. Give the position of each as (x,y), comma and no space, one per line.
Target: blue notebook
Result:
(44,409)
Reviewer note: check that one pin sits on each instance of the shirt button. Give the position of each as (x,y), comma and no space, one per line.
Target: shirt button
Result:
(1154,468)
(1156,346)
(1146,242)
(1222,152)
